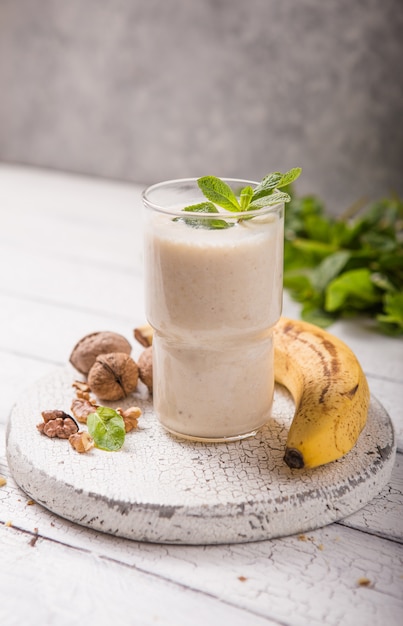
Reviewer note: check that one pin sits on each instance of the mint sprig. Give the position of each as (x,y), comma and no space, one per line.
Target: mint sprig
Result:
(346,266)
(220,193)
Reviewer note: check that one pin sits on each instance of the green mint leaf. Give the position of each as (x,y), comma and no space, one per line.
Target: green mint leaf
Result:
(107,428)
(316,315)
(202,207)
(275,180)
(391,321)
(210,223)
(269,200)
(329,268)
(352,289)
(289,177)
(217,191)
(268,183)
(245,197)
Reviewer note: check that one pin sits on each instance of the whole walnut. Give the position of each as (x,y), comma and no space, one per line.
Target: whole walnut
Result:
(145,364)
(89,347)
(113,376)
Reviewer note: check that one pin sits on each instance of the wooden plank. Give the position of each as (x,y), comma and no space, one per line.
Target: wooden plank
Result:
(50,332)
(70,198)
(116,238)
(84,286)
(83,587)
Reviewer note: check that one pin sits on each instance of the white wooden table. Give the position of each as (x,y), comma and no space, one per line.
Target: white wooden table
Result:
(70,263)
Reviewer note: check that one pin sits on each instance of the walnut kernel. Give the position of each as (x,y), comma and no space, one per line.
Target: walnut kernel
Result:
(54,414)
(130,417)
(81,409)
(58,427)
(81,441)
(80,385)
(82,389)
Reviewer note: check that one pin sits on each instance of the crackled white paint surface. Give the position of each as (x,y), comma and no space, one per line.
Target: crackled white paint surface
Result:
(162,489)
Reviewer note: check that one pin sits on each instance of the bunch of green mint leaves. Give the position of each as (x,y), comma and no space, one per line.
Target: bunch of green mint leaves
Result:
(339,267)
(218,192)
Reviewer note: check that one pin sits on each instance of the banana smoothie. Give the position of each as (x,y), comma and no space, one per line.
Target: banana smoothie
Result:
(212,298)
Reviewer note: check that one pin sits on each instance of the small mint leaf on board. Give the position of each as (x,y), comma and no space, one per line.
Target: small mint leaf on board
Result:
(217,191)
(107,428)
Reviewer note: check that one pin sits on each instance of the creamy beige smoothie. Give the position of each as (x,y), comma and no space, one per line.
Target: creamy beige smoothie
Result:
(212,298)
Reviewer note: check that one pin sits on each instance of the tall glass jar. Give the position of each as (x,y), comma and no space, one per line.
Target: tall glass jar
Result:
(213,294)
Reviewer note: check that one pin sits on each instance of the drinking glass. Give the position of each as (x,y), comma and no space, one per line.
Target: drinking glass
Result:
(213,294)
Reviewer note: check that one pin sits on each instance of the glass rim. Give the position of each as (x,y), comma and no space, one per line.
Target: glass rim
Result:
(235,215)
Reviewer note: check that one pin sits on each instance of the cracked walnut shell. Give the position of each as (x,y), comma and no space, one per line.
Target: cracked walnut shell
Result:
(145,364)
(89,347)
(113,376)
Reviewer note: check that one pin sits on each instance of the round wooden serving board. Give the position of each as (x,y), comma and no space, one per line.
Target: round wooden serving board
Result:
(166,490)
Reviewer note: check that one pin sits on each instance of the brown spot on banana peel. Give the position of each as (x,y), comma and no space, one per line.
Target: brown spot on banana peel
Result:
(329,369)
(351,393)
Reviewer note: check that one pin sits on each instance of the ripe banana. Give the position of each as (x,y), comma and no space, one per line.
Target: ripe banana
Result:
(329,389)
(328,386)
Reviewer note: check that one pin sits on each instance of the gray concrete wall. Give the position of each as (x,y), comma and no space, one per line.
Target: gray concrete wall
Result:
(144,90)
